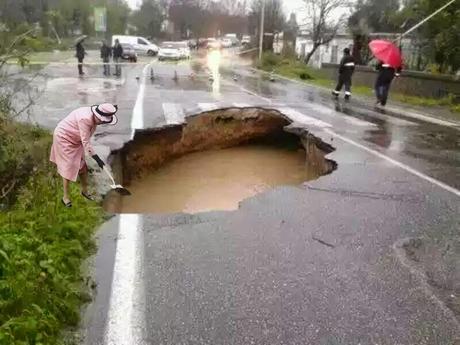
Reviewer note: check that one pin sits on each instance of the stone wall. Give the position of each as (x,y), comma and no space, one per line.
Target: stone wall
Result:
(410,83)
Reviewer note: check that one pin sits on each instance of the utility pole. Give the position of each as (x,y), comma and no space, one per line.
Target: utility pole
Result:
(262,31)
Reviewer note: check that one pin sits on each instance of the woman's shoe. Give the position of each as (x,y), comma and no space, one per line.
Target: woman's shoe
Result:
(87,196)
(66,204)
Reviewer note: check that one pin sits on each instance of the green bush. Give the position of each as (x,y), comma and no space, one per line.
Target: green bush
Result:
(304,76)
(271,60)
(42,244)
(39,43)
(22,149)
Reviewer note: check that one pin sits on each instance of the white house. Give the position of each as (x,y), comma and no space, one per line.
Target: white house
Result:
(329,53)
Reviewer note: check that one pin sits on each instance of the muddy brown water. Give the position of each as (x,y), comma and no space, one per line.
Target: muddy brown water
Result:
(216,179)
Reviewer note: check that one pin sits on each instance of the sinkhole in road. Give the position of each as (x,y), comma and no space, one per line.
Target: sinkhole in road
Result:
(214,161)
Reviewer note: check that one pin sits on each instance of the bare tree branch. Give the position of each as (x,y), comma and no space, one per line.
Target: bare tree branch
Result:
(321,24)
(7,189)
(16,87)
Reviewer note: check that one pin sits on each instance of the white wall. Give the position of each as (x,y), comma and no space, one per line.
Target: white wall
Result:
(328,53)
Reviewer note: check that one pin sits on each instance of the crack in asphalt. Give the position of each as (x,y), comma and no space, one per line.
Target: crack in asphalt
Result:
(323,242)
(369,195)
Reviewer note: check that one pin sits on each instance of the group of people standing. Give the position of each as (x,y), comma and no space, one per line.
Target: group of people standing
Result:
(116,52)
(107,52)
(386,74)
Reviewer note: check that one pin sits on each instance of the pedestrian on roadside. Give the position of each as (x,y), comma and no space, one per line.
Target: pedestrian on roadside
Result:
(106,53)
(72,139)
(386,74)
(117,54)
(346,70)
(80,55)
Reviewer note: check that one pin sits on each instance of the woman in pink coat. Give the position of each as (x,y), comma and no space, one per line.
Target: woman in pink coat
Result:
(72,139)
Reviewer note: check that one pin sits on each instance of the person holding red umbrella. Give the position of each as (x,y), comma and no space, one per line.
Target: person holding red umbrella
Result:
(386,74)
(388,67)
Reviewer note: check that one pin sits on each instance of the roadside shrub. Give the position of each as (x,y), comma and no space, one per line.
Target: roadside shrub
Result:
(286,62)
(304,76)
(289,52)
(271,60)
(23,149)
(42,244)
(39,43)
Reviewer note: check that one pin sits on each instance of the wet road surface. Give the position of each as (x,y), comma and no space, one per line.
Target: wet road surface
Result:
(322,263)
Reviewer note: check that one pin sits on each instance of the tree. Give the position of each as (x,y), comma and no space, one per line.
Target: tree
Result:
(275,20)
(438,38)
(321,24)
(148,19)
(65,16)
(117,17)
(374,16)
(206,18)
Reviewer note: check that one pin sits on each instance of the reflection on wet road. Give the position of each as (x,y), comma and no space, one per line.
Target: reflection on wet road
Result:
(216,180)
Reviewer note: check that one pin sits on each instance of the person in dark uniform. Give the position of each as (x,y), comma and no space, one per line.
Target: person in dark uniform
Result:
(346,69)
(80,55)
(117,54)
(106,53)
(386,74)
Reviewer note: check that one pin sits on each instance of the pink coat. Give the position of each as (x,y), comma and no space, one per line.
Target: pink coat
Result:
(71,140)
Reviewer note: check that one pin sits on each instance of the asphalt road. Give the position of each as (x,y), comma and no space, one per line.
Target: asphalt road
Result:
(323,263)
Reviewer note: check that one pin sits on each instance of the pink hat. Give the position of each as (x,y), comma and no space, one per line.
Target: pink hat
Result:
(106,113)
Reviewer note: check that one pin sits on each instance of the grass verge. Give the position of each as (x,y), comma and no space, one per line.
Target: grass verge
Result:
(296,70)
(42,244)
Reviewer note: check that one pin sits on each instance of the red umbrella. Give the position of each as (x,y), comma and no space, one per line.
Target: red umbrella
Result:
(386,52)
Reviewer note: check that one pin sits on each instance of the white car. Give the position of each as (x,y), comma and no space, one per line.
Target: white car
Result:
(226,42)
(140,44)
(246,40)
(214,44)
(184,49)
(170,51)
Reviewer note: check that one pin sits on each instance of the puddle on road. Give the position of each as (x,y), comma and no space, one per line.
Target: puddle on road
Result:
(216,179)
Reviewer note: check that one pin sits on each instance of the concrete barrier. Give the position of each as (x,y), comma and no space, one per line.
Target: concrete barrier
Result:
(410,83)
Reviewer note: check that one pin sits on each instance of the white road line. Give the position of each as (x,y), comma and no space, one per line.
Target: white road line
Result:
(208,106)
(268,100)
(300,118)
(241,105)
(137,120)
(425,118)
(396,110)
(174,113)
(397,163)
(330,112)
(125,321)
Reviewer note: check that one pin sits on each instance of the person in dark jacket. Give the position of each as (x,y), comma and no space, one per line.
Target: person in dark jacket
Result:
(386,74)
(80,55)
(346,69)
(106,53)
(117,54)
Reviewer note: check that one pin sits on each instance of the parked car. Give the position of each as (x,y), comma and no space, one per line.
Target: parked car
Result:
(202,43)
(193,44)
(234,39)
(246,40)
(184,49)
(140,44)
(214,44)
(171,51)
(129,53)
(226,42)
